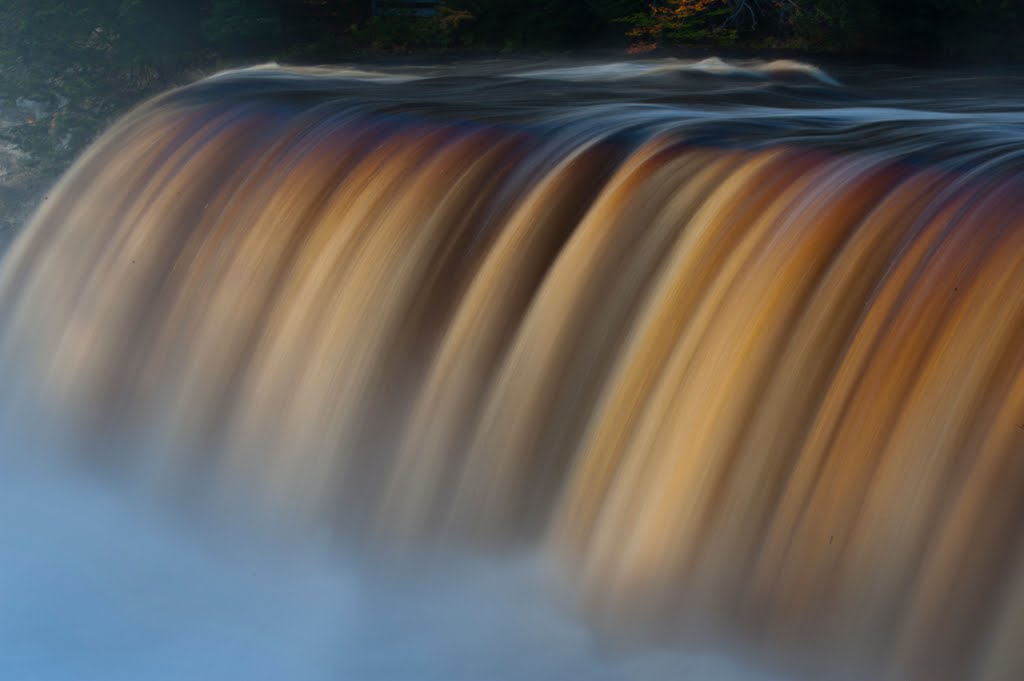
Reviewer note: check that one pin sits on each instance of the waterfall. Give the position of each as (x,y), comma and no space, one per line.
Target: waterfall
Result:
(742,381)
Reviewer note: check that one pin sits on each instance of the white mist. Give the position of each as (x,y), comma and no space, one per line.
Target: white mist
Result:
(97,584)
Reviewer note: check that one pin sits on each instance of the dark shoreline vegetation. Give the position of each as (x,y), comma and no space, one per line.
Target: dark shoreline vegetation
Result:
(69,67)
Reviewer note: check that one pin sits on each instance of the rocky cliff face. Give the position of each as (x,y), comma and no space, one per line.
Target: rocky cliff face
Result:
(27,169)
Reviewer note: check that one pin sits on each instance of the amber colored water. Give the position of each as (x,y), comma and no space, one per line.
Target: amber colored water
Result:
(741,347)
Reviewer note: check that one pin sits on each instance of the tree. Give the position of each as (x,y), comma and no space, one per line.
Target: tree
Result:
(683,22)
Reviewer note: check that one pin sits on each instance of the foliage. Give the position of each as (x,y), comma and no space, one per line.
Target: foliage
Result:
(801,24)
(681,22)
(398,32)
(824,25)
(910,28)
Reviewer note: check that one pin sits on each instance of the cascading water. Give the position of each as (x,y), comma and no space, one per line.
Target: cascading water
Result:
(741,347)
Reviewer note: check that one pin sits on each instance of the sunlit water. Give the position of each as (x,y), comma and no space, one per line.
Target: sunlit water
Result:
(650,369)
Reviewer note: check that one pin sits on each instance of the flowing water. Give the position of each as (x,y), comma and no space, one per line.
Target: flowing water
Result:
(735,350)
